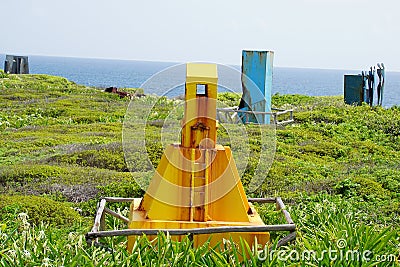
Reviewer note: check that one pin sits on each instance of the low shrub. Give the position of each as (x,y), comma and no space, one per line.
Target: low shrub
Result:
(102,159)
(229,99)
(28,173)
(3,74)
(361,187)
(38,209)
(279,100)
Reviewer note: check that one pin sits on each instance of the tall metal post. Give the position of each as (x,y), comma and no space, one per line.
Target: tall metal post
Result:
(257,70)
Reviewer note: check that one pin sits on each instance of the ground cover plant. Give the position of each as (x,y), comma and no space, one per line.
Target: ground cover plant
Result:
(337,167)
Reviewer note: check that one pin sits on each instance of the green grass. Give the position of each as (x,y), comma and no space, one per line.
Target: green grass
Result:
(337,168)
(325,223)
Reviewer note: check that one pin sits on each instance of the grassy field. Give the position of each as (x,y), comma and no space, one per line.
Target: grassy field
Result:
(337,169)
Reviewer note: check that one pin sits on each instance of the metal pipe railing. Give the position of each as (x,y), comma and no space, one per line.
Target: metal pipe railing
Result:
(98,229)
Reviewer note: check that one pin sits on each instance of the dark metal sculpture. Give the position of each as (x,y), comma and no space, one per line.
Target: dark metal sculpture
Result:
(381,76)
(371,84)
(16,65)
(365,90)
(361,88)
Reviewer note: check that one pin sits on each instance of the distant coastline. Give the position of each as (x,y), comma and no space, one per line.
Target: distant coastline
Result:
(130,73)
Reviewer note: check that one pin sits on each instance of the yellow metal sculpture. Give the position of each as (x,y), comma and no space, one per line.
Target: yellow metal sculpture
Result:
(196,184)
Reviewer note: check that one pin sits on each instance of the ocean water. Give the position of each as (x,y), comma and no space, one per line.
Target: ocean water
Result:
(170,78)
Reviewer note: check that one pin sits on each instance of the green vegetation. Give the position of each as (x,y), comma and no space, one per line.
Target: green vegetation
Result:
(337,168)
(3,74)
(40,210)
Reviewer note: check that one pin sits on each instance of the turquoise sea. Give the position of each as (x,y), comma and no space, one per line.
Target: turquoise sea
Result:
(130,73)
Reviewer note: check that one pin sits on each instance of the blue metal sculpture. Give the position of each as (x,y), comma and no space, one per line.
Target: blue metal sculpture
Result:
(257,67)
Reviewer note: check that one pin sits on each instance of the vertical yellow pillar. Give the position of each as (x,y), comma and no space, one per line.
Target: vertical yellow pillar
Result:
(199,125)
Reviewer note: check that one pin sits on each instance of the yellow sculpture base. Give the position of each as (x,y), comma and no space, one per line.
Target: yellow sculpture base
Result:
(139,221)
(218,197)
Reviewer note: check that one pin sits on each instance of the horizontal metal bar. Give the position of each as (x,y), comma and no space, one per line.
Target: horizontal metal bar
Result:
(262,200)
(194,231)
(281,112)
(283,122)
(235,108)
(284,112)
(278,109)
(273,114)
(118,199)
(247,112)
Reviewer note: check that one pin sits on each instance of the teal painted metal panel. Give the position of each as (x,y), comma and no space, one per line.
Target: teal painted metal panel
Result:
(354,89)
(257,71)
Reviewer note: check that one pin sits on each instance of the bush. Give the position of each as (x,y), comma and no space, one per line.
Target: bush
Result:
(3,74)
(229,99)
(26,173)
(102,159)
(38,209)
(361,187)
(347,188)
(279,100)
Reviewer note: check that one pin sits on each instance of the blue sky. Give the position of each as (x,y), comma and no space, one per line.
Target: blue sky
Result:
(333,34)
